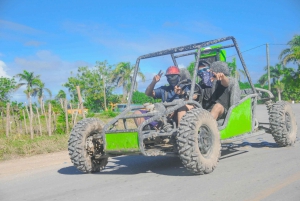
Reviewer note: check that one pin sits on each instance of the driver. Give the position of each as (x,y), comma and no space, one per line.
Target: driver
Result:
(166,93)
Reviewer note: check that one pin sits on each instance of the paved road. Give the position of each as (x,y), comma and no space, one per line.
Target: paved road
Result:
(258,171)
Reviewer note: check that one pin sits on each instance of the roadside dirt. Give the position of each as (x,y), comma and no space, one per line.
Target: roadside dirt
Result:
(22,165)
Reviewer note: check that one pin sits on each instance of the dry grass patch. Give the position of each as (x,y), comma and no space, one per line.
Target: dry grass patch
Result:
(20,145)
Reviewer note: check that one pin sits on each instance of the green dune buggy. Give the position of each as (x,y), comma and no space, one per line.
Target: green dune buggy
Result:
(197,139)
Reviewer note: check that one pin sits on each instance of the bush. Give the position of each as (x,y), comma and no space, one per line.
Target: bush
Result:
(109,113)
(141,98)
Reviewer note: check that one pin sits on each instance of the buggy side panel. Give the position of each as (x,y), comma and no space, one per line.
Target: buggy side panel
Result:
(240,120)
(122,142)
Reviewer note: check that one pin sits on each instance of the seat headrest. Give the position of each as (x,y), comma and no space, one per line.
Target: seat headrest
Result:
(220,67)
(184,74)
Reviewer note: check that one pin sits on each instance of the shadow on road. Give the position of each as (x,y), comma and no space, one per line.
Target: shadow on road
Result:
(164,165)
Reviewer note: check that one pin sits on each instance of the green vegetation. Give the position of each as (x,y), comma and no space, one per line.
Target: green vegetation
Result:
(141,98)
(42,128)
(7,86)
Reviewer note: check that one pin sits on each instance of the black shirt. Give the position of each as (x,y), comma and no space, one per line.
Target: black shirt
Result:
(219,95)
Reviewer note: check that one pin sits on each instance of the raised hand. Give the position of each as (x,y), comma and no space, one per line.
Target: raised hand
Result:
(157,77)
(219,76)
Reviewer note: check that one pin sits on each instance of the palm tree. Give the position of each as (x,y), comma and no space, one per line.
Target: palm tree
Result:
(291,54)
(279,86)
(276,72)
(30,81)
(39,92)
(263,80)
(61,95)
(123,76)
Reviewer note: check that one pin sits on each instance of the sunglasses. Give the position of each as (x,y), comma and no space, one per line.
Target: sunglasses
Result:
(202,70)
(172,76)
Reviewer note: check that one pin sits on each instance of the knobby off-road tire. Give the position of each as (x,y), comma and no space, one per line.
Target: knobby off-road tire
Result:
(283,123)
(198,141)
(78,151)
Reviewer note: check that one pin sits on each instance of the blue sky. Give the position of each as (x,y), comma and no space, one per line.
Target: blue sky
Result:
(53,38)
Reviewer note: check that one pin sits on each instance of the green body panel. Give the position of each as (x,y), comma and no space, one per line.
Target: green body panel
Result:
(240,121)
(214,53)
(122,142)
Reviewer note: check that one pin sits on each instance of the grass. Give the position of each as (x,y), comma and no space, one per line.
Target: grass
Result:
(20,145)
(17,146)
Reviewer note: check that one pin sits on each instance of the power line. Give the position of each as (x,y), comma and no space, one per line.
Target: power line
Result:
(278,44)
(248,50)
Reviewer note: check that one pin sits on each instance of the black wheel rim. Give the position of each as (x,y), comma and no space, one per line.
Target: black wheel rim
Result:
(205,140)
(288,122)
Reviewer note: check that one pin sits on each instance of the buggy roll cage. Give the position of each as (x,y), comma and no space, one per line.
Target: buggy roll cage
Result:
(195,46)
(110,126)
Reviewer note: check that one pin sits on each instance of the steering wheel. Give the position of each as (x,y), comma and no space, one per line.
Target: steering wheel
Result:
(187,82)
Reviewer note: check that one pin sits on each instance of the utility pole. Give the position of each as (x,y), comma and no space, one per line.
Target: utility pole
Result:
(268,65)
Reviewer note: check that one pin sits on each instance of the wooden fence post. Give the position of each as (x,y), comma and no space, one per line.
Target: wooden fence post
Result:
(7,120)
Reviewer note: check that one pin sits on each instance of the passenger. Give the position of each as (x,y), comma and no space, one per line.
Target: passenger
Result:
(166,94)
(214,82)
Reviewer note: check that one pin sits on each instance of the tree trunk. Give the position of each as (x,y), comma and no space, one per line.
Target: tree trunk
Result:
(26,131)
(124,93)
(49,120)
(54,121)
(40,126)
(72,120)
(7,119)
(66,116)
(76,116)
(279,95)
(14,119)
(46,118)
(30,118)
(41,105)
(2,119)
(80,101)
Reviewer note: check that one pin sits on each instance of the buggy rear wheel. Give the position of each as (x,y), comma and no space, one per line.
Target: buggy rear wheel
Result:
(198,141)
(85,152)
(283,124)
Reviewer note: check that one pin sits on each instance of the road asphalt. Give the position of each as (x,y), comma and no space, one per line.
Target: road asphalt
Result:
(251,169)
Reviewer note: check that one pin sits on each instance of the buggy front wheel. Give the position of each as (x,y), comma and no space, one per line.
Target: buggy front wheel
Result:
(198,141)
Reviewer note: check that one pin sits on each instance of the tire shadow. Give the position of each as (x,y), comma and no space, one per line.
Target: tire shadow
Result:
(137,164)
(163,165)
(234,149)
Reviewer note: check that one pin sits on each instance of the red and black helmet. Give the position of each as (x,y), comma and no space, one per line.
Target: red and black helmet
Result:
(173,70)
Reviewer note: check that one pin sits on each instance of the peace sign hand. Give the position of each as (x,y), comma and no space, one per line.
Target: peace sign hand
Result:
(218,76)
(157,77)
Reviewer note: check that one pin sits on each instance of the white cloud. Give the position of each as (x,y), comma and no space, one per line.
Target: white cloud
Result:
(2,69)
(33,43)
(7,25)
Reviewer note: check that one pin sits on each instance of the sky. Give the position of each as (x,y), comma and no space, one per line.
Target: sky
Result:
(54,38)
